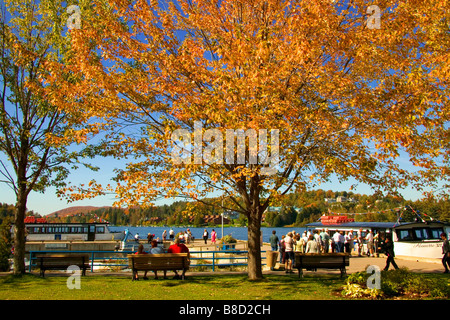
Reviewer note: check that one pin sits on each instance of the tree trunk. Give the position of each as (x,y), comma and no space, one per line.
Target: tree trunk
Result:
(254,245)
(19,232)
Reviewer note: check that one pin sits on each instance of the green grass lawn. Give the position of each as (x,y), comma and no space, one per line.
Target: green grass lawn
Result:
(203,287)
(196,287)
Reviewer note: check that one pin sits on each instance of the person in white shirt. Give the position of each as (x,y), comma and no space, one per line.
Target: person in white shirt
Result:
(305,237)
(348,244)
(337,241)
(370,246)
(289,252)
(312,245)
(360,243)
(318,239)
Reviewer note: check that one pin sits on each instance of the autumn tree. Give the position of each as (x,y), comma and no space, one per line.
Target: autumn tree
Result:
(327,88)
(34,154)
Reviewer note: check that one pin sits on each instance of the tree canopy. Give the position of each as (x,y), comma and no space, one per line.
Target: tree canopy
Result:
(35,134)
(322,88)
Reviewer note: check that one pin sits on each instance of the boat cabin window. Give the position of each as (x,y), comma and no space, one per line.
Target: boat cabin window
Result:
(33,230)
(421,234)
(100,229)
(436,233)
(404,235)
(65,229)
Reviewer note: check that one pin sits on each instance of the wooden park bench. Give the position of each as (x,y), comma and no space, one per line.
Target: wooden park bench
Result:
(159,262)
(312,261)
(62,262)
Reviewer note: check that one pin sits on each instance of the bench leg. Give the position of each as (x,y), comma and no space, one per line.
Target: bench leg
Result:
(343,272)
(300,272)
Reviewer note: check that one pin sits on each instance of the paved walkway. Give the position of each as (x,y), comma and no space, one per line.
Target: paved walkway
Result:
(358,264)
(361,263)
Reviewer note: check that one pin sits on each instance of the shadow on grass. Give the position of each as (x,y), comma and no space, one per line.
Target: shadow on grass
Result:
(23,278)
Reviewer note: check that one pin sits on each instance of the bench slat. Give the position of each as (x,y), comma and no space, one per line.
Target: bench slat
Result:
(319,260)
(156,262)
(62,262)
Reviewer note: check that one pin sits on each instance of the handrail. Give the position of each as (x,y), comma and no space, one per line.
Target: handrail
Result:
(204,255)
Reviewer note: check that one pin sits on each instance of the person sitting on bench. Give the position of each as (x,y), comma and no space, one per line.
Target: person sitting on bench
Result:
(178,247)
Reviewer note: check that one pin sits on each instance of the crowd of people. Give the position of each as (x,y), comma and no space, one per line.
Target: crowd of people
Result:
(185,236)
(316,241)
(326,241)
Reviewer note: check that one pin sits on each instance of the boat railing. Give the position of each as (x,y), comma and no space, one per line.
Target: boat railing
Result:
(117,260)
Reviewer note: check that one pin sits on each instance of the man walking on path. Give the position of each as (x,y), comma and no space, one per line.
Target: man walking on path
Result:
(388,248)
(370,239)
(445,252)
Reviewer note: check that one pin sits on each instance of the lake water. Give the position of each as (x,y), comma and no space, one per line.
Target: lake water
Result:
(239,233)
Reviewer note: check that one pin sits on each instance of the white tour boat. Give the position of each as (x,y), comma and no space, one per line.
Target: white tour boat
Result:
(414,240)
(43,231)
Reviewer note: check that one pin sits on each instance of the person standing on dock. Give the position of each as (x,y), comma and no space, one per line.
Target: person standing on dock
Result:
(289,252)
(337,241)
(205,236)
(282,249)
(274,241)
(445,252)
(213,236)
(360,241)
(325,240)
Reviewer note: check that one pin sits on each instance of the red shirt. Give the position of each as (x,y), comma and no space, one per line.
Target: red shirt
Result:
(178,248)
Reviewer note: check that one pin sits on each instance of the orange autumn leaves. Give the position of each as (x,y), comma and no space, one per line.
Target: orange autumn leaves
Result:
(347,100)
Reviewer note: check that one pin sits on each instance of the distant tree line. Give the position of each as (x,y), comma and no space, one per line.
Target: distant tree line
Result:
(297,209)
